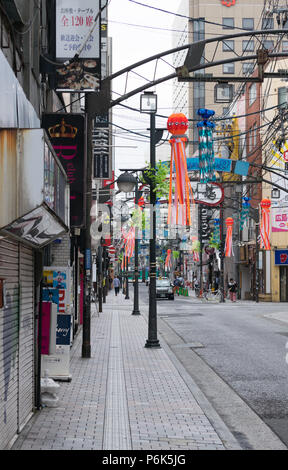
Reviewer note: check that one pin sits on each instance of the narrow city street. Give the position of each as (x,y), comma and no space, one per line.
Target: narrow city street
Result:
(244,346)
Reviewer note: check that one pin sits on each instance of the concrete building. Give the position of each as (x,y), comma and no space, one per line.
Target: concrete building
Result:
(207,19)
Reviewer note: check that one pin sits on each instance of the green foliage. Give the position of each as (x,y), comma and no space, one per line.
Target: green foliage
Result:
(214,243)
(176,254)
(159,177)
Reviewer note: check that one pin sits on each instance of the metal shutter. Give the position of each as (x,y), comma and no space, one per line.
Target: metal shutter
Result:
(26,335)
(9,352)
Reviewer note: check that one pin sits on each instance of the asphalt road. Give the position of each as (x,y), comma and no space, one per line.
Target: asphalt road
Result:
(244,343)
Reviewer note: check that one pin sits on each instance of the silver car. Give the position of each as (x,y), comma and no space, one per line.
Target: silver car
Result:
(164,289)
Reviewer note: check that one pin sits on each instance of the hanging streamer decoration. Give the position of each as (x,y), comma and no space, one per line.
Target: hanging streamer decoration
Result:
(245,211)
(168,262)
(129,243)
(228,242)
(181,197)
(265,224)
(206,150)
(196,250)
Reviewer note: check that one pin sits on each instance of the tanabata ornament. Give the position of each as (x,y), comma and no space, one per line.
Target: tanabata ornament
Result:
(245,211)
(228,242)
(168,262)
(180,190)
(206,150)
(129,245)
(265,224)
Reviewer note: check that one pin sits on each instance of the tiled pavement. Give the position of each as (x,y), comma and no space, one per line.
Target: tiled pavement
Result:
(125,397)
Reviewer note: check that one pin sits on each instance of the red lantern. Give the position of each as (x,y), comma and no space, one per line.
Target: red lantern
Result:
(265,203)
(177,124)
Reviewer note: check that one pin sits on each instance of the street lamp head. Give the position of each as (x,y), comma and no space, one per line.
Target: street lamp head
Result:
(126,182)
(148,102)
(275,193)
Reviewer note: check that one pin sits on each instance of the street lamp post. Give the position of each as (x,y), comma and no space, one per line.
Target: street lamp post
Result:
(126,183)
(136,310)
(149,106)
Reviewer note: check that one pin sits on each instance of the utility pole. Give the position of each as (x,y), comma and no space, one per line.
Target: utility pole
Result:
(86,346)
(100,277)
(222,254)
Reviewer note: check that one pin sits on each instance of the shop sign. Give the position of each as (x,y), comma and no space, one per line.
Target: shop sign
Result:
(281,257)
(280,219)
(75,28)
(67,135)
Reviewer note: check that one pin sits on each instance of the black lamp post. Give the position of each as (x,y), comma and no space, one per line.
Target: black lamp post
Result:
(149,105)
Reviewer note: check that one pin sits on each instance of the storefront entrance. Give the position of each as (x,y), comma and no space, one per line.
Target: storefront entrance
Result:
(283,283)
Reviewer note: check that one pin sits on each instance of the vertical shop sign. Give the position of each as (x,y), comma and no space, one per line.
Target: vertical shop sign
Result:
(101,148)
(77,34)
(67,135)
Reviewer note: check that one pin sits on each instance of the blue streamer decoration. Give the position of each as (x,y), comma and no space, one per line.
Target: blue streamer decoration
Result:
(206,151)
(245,211)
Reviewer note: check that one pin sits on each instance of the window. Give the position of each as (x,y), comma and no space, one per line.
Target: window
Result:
(248,23)
(229,68)
(254,135)
(228,45)
(282,96)
(250,138)
(228,23)
(248,46)
(268,23)
(269,45)
(252,94)
(247,67)
(285,46)
(225,110)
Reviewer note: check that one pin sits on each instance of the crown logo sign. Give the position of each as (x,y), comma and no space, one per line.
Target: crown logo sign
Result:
(63,130)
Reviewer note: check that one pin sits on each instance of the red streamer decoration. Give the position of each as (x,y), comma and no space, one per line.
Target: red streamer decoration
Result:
(228,242)
(168,263)
(265,224)
(177,125)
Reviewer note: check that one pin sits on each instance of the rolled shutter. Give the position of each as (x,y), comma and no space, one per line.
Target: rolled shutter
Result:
(26,335)
(9,351)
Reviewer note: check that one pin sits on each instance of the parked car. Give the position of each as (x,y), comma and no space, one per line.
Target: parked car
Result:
(164,289)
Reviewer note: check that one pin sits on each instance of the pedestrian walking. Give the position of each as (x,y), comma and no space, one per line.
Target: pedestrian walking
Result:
(232,288)
(116,284)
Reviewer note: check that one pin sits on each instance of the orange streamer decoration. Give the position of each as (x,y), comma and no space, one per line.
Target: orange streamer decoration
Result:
(265,224)
(129,242)
(177,126)
(228,242)
(168,263)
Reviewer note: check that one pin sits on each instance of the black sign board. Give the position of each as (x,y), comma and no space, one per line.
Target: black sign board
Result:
(101,148)
(67,135)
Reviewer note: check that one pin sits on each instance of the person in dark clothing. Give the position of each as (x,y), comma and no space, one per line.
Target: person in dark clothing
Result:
(232,288)
(116,284)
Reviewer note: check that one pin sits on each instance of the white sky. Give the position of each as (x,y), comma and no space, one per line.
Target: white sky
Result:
(131,44)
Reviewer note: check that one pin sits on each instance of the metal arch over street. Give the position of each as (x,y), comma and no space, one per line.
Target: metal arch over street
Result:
(200,45)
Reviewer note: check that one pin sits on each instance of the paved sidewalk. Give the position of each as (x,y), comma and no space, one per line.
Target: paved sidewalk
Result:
(126,397)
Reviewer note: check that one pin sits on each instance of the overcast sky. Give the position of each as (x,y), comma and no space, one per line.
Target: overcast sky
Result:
(131,28)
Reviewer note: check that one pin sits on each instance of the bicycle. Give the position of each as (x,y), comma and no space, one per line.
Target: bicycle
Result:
(212,296)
